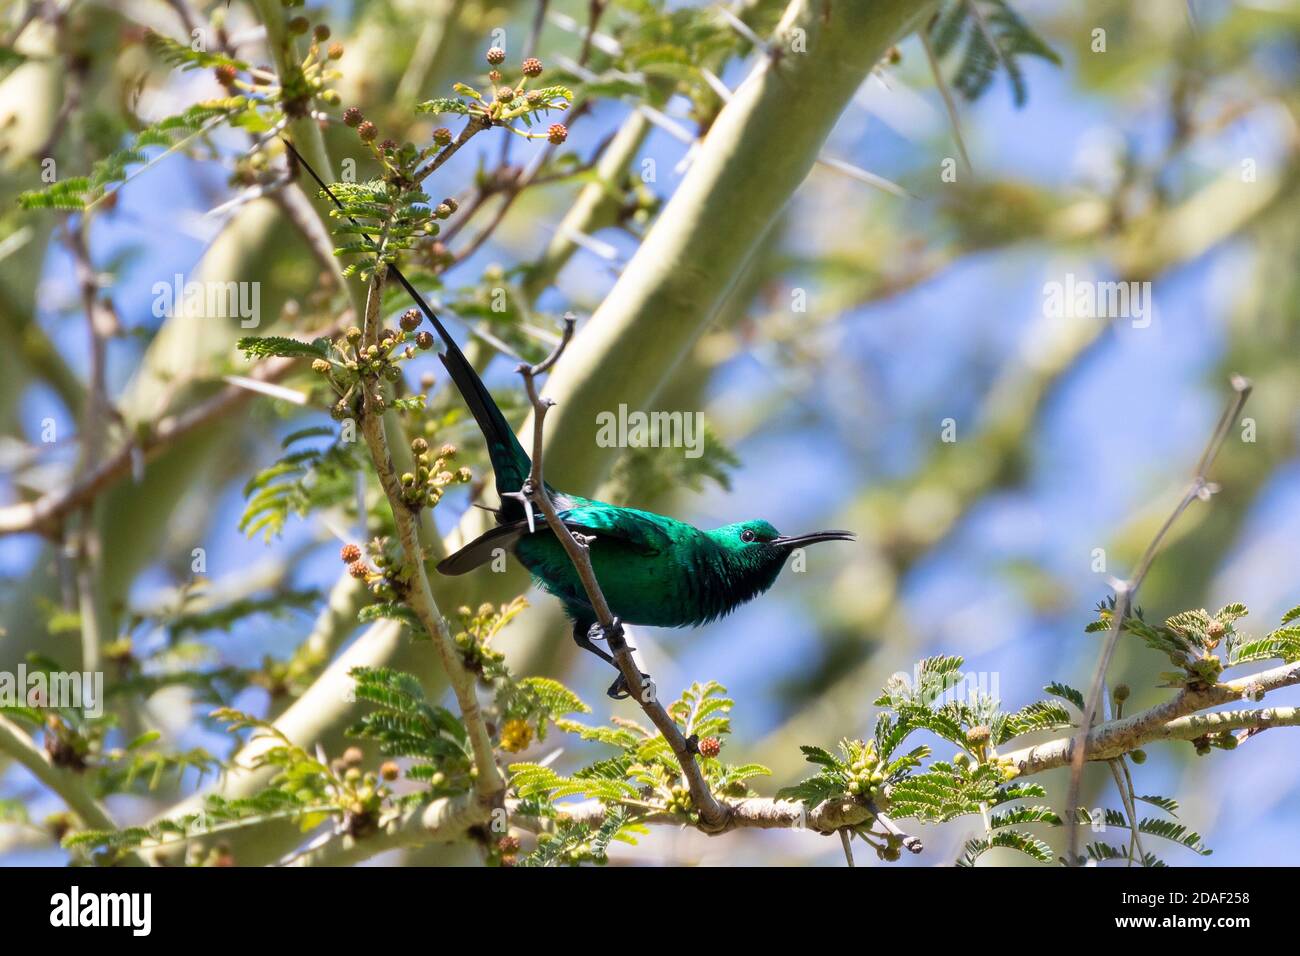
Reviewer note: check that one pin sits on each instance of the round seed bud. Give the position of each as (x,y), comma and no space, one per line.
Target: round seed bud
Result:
(299,25)
(442,136)
(350,553)
(410,320)
(352,117)
(335,51)
(424,340)
(358,570)
(710,747)
(419,446)
(557,134)
(532,66)
(1121,693)
(978,735)
(320,365)
(506,94)
(321,33)
(1138,756)
(367,131)
(389,770)
(226,74)
(496,56)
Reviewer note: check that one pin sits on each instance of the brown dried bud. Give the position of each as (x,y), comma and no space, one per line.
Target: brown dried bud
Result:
(557,134)
(424,340)
(367,131)
(352,116)
(358,570)
(350,553)
(321,33)
(299,25)
(532,66)
(496,56)
(410,320)
(226,74)
(710,747)
(442,136)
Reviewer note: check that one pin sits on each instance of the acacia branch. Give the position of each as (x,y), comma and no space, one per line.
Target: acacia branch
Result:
(45,513)
(67,783)
(1174,719)
(488,783)
(712,813)
(1125,591)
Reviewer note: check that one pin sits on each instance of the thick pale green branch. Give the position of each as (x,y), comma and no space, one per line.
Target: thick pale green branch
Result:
(1175,719)
(756,154)
(68,784)
(445,820)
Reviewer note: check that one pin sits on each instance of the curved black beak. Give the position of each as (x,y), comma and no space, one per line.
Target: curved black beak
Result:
(799,540)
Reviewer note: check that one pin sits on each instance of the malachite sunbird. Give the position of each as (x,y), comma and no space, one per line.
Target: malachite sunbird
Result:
(653,570)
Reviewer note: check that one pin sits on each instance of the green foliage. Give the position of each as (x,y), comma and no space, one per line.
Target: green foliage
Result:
(973,27)
(1016,840)
(1151,826)
(173,133)
(376,221)
(268,346)
(1203,645)
(405,723)
(572,843)
(642,778)
(180,55)
(299,482)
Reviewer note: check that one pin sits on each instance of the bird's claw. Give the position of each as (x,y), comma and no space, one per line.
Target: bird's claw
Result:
(613,632)
(619,689)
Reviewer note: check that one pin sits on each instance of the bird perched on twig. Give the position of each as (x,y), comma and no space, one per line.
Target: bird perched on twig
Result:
(653,569)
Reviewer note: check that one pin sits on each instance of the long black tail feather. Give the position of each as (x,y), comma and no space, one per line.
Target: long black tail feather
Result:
(510,462)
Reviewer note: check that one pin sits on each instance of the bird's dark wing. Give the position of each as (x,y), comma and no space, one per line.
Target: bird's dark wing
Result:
(481,549)
(640,530)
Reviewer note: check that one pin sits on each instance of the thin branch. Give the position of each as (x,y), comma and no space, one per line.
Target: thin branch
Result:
(45,513)
(488,784)
(949,104)
(712,814)
(1199,487)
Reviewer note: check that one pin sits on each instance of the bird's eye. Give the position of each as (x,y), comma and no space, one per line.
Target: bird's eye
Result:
(746,535)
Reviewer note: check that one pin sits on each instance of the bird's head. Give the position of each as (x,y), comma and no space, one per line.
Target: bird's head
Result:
(751,555)
(757,542)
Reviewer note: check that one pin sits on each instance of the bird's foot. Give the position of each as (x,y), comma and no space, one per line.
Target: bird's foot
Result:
(613,635)
(619,689)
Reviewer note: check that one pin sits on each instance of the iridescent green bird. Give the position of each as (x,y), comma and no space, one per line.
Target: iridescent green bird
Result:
(653,570)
